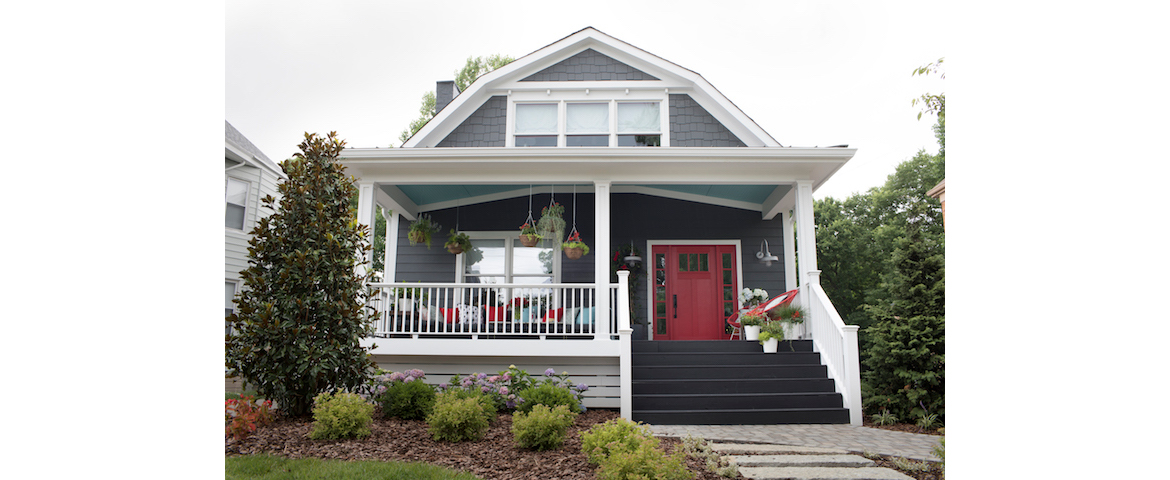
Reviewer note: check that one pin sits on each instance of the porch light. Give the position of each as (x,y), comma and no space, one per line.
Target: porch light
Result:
(632,260)
(765,255)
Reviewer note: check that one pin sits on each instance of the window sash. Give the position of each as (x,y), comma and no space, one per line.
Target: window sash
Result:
(639,117)
(536,118)
(235,199)
(587,118)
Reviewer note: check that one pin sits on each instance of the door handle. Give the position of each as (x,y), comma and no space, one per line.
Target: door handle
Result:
(675,306)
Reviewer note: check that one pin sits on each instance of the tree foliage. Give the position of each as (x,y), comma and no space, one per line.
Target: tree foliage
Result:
(931,104)
(474,68)
(302,314)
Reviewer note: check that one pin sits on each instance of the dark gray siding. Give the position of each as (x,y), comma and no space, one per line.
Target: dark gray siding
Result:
(484,128)
(588,65)
(692,126)
(635,218)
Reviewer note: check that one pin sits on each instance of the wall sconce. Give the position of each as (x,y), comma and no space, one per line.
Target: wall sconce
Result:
(765,255)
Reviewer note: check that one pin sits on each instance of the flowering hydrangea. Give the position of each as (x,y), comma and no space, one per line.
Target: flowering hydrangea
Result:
(749,298)
(382,380)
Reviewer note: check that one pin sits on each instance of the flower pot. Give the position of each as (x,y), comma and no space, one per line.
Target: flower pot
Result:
(573,253)
(529,240)
(456,249)
(751,332)
(417,237)
(770,345)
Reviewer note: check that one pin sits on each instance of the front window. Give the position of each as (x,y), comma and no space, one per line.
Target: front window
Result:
(236,199)
(497,259)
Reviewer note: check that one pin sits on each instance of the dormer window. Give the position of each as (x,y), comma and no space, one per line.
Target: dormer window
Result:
(536,125)
(584,123)
(587,124)
(639,124)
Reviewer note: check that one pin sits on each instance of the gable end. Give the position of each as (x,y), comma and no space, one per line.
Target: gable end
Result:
(484,128)
(692,126)
(588,66)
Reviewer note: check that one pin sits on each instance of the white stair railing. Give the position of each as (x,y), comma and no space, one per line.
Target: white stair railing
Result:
(836,342)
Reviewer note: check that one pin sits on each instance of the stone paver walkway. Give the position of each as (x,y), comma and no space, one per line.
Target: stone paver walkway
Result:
(846,437)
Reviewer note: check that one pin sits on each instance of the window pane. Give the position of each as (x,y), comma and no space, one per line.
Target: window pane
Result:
(660,309)
(638,117)
(727,277)
(485,279)
(660,260)
(727,293)
(661,326)
(237,192)
(693,264)
(726,260)
(682,262)
(639,140)
(235,216)
(660,296)
(703,262)
(536,141)
(587,118)
(531,260)
(587,141)
(491,260)
(536,118)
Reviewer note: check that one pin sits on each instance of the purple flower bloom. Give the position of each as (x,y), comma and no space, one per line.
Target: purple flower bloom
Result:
(443,386)
(503,390)
(550,372)
(582,387)
(485,389)
(494,378)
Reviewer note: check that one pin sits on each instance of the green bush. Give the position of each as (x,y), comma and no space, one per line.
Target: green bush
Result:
(458,419)
(616,434)
(644,461)
(550,395)
(543,428)
(340,415)
(489,406)
(411,400)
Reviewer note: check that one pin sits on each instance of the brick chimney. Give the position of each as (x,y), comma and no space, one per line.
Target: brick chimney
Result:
(445,91)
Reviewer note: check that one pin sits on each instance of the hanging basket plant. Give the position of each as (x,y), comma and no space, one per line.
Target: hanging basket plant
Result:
(551,226)
(421,230)
(573,247)
(528,235)
(458,243)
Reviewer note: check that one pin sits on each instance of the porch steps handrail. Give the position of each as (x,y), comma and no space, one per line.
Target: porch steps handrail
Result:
(837,344)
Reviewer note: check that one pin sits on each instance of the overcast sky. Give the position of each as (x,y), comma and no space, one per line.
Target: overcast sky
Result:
(809,73)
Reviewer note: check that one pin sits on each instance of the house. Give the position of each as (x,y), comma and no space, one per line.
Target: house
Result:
(940,192)
(248,176)
(640,152)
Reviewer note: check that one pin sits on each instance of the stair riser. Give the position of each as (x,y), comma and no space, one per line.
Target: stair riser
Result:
(780,358)
(744,417)
(800,385)
(702,371)
(756,402)
(716,346)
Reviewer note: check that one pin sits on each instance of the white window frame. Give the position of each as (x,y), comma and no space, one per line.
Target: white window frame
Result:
(247,193)
(510,238)
(578,95)
(235,292)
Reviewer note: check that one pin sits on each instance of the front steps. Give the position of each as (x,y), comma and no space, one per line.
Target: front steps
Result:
(731,383)
(791,462)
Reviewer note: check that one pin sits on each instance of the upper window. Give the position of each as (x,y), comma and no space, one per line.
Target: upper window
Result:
(639,124)
(536,125)
(237,198)
(588,124)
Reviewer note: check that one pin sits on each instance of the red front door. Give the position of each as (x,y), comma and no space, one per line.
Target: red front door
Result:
(694,287)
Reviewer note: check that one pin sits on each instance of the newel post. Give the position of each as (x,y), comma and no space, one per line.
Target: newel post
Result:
(852,373)
(626,367)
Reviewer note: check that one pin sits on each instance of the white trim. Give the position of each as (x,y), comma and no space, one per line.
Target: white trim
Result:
(789,250)
(649,260)
(645,190)
(390,254)
(497,348)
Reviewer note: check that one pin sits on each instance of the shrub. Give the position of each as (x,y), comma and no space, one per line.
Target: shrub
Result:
(543,428)
(302,315)
(884,418)
(499,389)
(616,434)
(489,407)
(340,415)
(927,421)
(243,414)
(457,419)
(550,395)
(644,461)
(411,400)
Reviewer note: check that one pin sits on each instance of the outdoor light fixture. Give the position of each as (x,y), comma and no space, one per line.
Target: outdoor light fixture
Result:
(765,255)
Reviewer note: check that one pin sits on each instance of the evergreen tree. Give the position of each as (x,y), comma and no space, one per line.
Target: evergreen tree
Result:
(302,314)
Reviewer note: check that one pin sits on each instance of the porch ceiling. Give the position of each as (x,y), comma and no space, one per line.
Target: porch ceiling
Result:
(425,195)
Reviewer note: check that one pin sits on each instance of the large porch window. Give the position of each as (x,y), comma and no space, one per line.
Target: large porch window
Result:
(500,258)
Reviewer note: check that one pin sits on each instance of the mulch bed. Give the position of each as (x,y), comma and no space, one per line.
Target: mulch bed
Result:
(495,457)
(901,427)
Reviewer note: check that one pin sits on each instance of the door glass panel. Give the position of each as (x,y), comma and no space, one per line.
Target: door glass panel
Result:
(693,264)
(661,327)
(660,260)
(703,262)
(727,277)
(682,262)
(727,293)
(726,260)
(660,309)
(660,296)
(660,277)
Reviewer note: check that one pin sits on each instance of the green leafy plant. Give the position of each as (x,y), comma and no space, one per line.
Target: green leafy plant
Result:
(644,461)
(543,428)
(788,313)
(617,434)
(551,225)
(574,241)
(243,414)
(450,394)
(458,242)
(422,229)
(940,449)
(340,415)
(457,419)
(696,447)
(908,465)
(927,421)
(884,418)
(300,320)
(408,400)
(550,395)
(529,229)
(770,330)
(750,320)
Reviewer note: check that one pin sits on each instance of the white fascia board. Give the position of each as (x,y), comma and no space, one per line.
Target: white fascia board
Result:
(495,347)
(238,154)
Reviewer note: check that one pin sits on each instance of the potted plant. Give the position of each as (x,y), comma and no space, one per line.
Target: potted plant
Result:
(574,247)
(750,298)
(552,224)
(751,322)
(770,335)
(421,230)
(528,235)
(458,242)
(790,316)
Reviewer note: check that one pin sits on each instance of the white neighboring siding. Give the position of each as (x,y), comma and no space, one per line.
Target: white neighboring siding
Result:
(600,373)
(260,183)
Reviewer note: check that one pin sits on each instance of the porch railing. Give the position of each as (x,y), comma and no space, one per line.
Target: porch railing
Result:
(556,310)
(836,342)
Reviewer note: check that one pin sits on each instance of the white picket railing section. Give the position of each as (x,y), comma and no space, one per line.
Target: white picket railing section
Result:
(562,310)
(836,342)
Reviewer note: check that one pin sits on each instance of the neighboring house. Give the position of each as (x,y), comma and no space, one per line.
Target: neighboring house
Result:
(248,176)
(640,151)
(940,192)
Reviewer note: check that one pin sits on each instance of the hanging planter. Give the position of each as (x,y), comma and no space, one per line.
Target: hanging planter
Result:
(528,235)
(458,243)
(551,226)
(573,247)
(421,230)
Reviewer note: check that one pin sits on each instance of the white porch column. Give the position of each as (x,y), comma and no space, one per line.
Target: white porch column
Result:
(626,359)
(806,248)
(601,257)
(365,216)
(789,251)
(390,255)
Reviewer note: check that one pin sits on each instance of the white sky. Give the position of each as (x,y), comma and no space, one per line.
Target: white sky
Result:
(810,73)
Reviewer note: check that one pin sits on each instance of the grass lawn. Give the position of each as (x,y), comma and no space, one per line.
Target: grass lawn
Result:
(270,467)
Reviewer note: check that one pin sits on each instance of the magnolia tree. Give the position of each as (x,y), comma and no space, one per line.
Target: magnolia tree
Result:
(302,314)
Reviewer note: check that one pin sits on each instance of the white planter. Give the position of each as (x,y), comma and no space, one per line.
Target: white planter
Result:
(770,345)
(751,332)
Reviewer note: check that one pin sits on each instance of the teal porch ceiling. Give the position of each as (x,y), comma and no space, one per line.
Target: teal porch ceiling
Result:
(430,194)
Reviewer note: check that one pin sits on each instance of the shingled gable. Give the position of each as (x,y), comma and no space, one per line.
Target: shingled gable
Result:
(581,59)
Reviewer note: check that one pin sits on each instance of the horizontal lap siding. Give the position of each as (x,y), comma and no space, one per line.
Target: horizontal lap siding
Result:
(601,374)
